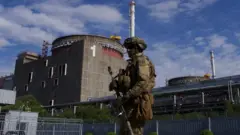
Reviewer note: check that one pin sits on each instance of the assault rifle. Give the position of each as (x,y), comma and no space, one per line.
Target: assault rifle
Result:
(122,110)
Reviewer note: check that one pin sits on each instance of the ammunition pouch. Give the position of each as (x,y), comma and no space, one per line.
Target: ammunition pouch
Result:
(144,107)
(124,83)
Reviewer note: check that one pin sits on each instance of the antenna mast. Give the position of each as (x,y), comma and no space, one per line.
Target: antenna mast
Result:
(132,18)
(45,48)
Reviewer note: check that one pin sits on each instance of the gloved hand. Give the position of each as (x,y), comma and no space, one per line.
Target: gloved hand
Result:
(113,85)
(123,99)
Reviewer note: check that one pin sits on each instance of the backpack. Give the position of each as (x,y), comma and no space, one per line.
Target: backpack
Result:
(144,108)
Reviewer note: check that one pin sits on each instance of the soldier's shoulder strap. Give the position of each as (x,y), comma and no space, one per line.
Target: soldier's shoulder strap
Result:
(141,60)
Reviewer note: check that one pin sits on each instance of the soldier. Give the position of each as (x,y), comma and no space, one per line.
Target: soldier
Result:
(139,78)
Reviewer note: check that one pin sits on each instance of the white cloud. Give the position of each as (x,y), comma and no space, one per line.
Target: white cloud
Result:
(3,42)
(13,31)
(46,20)
(83,12)
(41,20)
(217,41)
(173,60)
(166,9)
(199,41)
(199,38)
(196,4)
(238,36)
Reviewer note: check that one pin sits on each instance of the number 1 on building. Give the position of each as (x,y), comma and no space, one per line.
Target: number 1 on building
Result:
(93,48)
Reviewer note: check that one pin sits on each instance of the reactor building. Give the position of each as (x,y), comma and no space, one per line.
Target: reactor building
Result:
(186,80)
(75,71)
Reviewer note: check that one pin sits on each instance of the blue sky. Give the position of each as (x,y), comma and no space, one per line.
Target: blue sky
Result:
(179,33)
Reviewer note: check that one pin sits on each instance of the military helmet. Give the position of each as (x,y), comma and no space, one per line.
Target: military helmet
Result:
(133,42)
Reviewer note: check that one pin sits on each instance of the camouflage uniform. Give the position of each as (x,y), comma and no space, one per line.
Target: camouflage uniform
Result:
(139,101)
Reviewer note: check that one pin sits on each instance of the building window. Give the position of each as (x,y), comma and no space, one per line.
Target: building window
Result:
(56,82)
(26,87)
(51,102)
(65,69)
(43,84)
(46,63)
(62,69)
(50,72)
(30,77)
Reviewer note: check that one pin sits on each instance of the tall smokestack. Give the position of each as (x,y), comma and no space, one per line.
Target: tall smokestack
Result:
(212,64)
(132,18)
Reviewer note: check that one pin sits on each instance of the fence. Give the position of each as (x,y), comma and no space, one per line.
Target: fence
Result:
(219,126)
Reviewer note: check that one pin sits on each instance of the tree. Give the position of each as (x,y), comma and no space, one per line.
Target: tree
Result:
(67,113)
(206,132)
(213,114)
(193,115)
(178,116)
(90,112)
(27,103)
(228,106)
(163,117)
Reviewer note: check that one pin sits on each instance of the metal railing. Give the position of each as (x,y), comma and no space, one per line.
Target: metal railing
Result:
(45,126)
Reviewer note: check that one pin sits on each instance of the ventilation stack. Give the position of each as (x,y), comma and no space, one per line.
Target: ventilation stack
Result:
(212,64)
(132,18)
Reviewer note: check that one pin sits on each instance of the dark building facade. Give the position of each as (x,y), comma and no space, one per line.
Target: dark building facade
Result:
(75,71)
(6,82)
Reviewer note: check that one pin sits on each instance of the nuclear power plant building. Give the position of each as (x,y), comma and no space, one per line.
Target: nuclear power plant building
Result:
(75,71)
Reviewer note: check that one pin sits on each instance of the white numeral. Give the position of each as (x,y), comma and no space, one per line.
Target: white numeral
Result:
(93,48)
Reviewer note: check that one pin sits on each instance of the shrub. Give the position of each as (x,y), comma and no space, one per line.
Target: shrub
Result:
(89,133)
(153,133)
(206,132)
(111,133)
